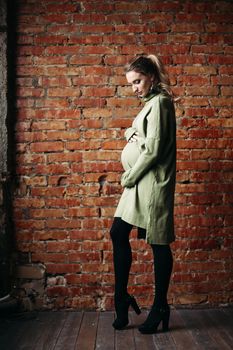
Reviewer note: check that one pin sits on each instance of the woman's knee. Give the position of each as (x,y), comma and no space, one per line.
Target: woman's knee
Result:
(161,250)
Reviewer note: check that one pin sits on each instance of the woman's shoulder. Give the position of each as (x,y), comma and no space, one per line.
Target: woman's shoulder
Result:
(162,99)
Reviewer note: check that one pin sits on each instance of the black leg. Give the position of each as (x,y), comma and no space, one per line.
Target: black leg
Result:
(122,255)
(122,259)
(163,263)
(160,311)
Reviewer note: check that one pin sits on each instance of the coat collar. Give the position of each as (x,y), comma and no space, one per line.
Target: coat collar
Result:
(155,91)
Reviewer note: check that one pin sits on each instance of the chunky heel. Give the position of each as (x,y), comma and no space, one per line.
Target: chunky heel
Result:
(135,306)
(122,308)
(155,317)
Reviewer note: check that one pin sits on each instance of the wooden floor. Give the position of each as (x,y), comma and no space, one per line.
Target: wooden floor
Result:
(64,330)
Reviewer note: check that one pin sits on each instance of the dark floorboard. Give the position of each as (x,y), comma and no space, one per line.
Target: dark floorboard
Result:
(190,329)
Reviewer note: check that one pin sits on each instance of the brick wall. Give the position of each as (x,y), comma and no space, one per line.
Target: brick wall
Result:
(72,108)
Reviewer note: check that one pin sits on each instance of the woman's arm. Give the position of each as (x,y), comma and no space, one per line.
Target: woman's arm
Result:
(156,133)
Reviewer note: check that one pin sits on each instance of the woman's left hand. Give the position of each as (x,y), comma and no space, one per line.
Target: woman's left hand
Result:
(125,179)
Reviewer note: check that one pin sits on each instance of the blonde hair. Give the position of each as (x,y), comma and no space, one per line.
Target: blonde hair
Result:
(152,65)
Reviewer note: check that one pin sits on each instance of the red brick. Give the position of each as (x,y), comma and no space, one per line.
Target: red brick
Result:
(201,49)
(63,92)
(57,290)
(61,50)
(63,268)
(200,91)
(192,165)
(191,144)
(83,190)
(54,18)
(97,50)
(188,27)
(31,159)
(194,80)
(206,134)
(82,212)
(200,70)
(212,39)
(30,224)
(64,136)
(56,81)
(97,113)
(99,7)
(51,103)
(222,101)
(64,157)
(55,8)
(89,102)
(105,28)
(51,125)
(52,168)
(101,91)
(85,60)
(184,59)
(101,155)
(83,145)
(29,202)
(207,154)
(30,92)
(47,213)
(61,246)
(63,223)
(195,101)
(226,91)
(56,60)
(165,7)
(218,59)
(30,50)
(85,257)
(200,112)
(222,80)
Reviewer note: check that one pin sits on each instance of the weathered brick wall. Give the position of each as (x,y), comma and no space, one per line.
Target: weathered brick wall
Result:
(73,106)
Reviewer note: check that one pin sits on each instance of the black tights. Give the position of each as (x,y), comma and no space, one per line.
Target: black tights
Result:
(122,259)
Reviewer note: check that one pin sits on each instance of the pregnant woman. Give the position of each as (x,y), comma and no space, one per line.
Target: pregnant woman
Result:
(147,202)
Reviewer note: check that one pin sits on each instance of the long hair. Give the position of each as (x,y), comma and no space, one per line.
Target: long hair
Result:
(152,65)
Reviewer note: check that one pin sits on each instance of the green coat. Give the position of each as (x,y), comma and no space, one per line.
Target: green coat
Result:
(150,170)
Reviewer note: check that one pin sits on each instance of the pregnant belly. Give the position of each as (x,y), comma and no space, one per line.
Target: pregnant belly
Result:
(129,155)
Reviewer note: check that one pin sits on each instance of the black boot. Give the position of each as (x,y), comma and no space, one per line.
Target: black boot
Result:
(160,311)
(122,308)
(155,317)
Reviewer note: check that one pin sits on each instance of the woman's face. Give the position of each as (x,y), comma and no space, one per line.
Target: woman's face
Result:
(140,83)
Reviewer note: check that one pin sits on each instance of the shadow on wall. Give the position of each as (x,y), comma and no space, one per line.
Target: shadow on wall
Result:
(8,25)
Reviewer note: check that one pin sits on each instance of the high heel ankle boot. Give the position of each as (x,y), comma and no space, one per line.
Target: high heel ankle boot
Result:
(122,308)
(155,317)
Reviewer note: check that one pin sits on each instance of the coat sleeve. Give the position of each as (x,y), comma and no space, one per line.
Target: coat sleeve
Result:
(156,133)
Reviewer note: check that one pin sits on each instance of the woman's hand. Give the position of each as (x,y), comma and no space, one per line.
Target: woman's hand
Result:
(125,181)
(134,137)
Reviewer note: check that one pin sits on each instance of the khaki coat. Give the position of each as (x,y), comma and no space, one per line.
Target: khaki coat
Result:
(150,170)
